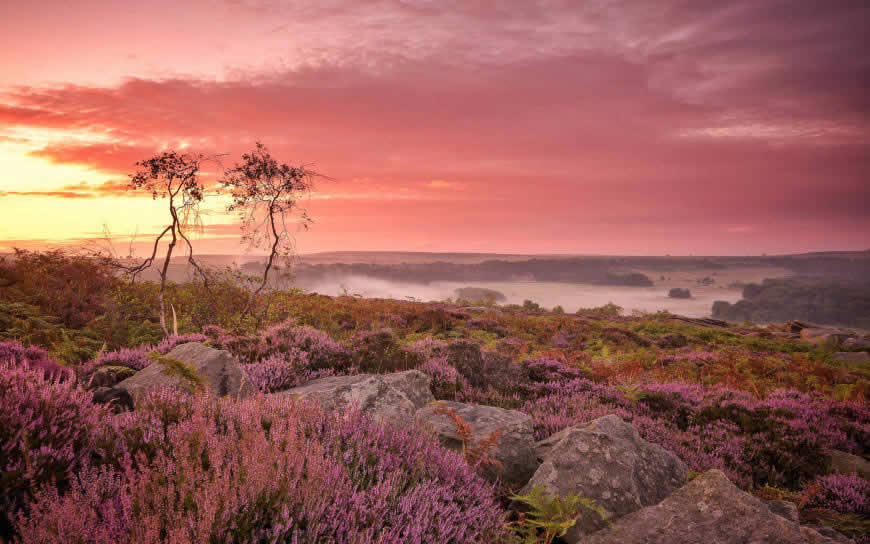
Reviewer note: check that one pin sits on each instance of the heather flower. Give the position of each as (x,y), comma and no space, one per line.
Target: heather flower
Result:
(847,493)
(446,381)
(47,431)
(274,470)
(135,358)
(34,357)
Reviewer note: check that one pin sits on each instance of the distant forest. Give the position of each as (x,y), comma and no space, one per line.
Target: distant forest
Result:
(596,271)
(825,301)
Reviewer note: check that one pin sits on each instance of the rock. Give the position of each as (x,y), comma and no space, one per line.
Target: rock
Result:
(607,461)
(847,463)
(109,376)
(191,367)
(672,341)
(119,399)
(798,326)
(707,510)
(391,398)
(514,449)
(678,292)
(823,535)
(785,509)
(852,357)
(859,343)
(825,335)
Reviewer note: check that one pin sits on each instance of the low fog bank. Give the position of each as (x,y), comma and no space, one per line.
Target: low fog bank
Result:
(569,296)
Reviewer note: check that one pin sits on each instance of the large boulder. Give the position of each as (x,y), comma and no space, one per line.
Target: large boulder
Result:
(192,367)
(707,510)
(390,398)
(606,461)
(514,449)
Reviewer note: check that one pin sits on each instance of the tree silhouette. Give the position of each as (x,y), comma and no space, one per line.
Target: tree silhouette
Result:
(176,177)
(264,193)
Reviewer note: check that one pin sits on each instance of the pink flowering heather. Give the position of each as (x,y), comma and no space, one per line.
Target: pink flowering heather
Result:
(33,356)
(280,372)
(446,380)
(135,358)
(47,429)
(274,470)
(322,351)
(848,493)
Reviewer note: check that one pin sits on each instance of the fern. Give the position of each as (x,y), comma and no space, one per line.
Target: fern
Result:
(475,453)
(549,516)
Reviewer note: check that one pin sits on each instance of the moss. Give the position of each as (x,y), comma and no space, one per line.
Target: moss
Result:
(193,381)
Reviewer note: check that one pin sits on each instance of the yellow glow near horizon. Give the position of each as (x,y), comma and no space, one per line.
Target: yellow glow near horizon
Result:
(60,220)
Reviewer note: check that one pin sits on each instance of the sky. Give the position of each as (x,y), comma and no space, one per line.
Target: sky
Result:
(703,127)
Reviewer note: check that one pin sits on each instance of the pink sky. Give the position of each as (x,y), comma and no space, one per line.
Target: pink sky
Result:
(525,127)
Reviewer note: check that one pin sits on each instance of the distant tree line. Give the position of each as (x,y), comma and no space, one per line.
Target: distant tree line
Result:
(834,302)
(595,271)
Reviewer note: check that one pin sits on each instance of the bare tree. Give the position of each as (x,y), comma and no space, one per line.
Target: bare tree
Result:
(176,177)
(264,193)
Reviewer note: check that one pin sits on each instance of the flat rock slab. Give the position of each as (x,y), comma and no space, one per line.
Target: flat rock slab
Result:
(707,510)
(191,367)
(515,447)
(606,461)
(823,335)
(392,398)
(852,357)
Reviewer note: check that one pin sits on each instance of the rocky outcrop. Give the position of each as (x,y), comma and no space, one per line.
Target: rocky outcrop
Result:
(514,449)
(192,367)
(608,462)
(707,510)
(391,398)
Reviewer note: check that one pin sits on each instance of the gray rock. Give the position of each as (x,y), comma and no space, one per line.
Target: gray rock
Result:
(391,398)
(608,462)
(192,367)
(707,510)
(860,343)
(514,449)
(785,509)
(109,376)
(852,357)
(846,463)
(823,535)
(118,399)
(825,335)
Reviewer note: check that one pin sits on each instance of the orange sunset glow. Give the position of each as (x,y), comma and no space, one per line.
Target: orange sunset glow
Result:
(515,127)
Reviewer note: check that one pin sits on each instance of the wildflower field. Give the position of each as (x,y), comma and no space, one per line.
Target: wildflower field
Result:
(766,410)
